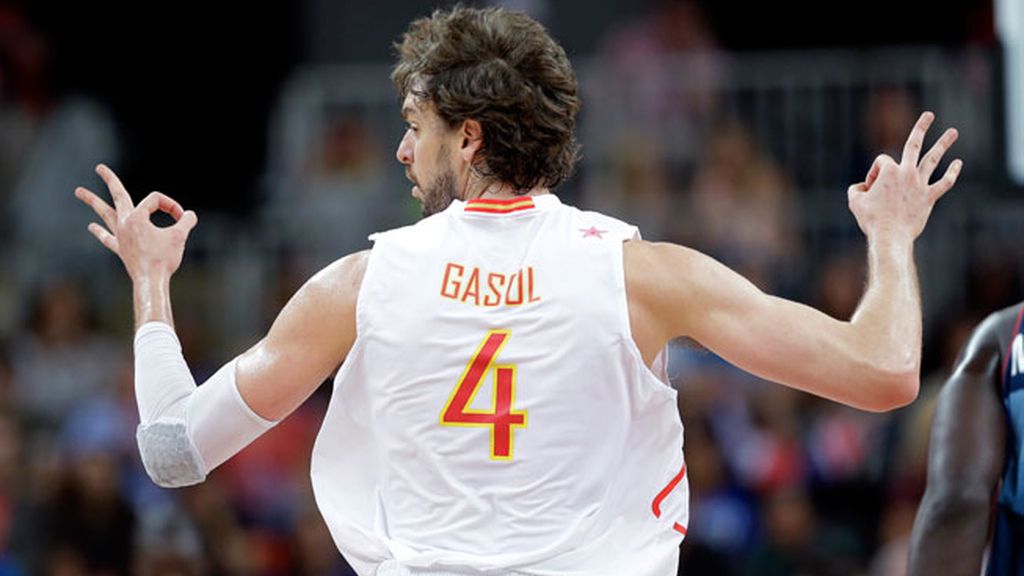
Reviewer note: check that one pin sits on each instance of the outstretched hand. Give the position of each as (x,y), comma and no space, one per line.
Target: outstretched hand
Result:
(895,199)
(146,249)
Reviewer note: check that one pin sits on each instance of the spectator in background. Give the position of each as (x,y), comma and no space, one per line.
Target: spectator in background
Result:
(312,548)
(90,522)
(46,144)
(668,68)
(636,183)
(789,529)
(742,210)
(11,507)
(337,193)
(723,513)
(168,544)
(660,76)
(61,360)
(24,98)
(24,103)
(887,110)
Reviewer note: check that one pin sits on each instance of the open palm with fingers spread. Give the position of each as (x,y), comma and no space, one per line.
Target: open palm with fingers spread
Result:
(146,249)
(895,199)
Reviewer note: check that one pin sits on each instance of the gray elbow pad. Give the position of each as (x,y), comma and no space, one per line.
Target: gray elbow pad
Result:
(168,453)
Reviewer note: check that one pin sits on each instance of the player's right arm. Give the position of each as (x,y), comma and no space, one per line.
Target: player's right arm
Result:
(965,459)
(871,361)
(186,431)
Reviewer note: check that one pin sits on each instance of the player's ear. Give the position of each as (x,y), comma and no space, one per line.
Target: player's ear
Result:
(471,137)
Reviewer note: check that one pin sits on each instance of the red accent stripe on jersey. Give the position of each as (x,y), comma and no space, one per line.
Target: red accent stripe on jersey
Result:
(499,205)
(656,504)
(1009,351)
(679,528)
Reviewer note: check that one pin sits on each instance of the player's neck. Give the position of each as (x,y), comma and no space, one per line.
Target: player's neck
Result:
(499,190)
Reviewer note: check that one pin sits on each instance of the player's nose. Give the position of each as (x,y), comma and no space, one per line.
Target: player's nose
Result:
(404,152)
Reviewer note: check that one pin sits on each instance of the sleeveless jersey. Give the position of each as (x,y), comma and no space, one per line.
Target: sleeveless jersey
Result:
(1007,555)
(494,415)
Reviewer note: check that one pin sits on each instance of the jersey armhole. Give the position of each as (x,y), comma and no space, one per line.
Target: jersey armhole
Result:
(368,276)
(1004,375)
(659,369)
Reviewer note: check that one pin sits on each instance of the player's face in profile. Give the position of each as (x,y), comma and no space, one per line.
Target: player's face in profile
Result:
(426,153)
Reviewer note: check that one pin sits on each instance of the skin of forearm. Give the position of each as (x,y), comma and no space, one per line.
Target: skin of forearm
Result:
(152,297)
(954,525)
(889,315)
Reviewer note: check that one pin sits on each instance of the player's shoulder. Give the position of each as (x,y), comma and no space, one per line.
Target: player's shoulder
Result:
(999,327)
(989,340)
(999,324)
(599,224)
(343,276)
(657,257)
(656,270)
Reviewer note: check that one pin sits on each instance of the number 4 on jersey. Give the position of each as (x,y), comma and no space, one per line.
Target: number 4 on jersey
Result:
(502,418)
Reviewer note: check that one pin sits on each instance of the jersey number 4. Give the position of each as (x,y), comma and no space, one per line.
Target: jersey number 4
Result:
(502,418)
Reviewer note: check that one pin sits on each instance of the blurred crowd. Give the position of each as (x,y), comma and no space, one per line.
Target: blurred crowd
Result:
(782,483)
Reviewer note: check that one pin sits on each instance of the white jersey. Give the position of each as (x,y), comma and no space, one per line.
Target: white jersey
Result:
(494,415)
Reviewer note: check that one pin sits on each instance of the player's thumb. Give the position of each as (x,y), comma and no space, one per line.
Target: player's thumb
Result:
(187,222)
(876,169)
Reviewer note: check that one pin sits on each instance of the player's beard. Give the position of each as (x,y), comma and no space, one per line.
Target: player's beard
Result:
(439,194)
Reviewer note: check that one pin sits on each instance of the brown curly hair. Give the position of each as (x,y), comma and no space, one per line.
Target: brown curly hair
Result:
(502,69)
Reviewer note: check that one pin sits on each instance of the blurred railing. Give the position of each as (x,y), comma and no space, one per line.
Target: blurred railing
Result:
(809,109)
(331,177)
(814,114)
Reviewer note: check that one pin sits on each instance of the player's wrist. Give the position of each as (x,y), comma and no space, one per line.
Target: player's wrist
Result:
(891,236)
(150,276)
(152,296)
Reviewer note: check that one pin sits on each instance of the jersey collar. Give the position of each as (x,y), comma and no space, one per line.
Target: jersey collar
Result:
(508,205)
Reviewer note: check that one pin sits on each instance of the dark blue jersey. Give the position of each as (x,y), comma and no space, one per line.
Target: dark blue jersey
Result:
(1007,556)
(1012,493)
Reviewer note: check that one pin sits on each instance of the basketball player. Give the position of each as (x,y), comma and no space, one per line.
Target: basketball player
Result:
(501,405)
(976,440)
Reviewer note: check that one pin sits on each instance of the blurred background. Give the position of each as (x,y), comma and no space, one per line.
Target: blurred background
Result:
(734,127)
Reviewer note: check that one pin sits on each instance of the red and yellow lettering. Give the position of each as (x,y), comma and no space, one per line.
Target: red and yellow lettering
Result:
(494,297)
(515,284)
(529,284)
(450,286)
(473,287)
(513,289)
(502,418)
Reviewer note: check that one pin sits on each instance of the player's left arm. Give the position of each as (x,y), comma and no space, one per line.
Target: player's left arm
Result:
(307,342)
(965,460)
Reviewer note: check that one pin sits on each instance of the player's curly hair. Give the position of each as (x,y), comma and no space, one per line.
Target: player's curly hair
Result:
(502,69)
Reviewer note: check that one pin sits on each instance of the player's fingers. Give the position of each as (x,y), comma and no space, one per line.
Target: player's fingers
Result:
(948,179)
(162,202)
(854,191)
(874,170)
(881,161)
(187,222)
(912,149)
(101,208)
(934,155)
(122,201)
(105,237)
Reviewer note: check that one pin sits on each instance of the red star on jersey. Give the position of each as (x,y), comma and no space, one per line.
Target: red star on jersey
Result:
(592,231)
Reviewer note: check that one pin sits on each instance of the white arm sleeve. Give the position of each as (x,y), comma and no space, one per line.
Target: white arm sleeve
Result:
(186,430)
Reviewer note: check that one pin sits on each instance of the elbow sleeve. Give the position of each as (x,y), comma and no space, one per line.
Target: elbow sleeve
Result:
(186,431)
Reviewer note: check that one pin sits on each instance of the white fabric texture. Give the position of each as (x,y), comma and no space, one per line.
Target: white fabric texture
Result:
(186,431)
(521,305)
(393,568)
